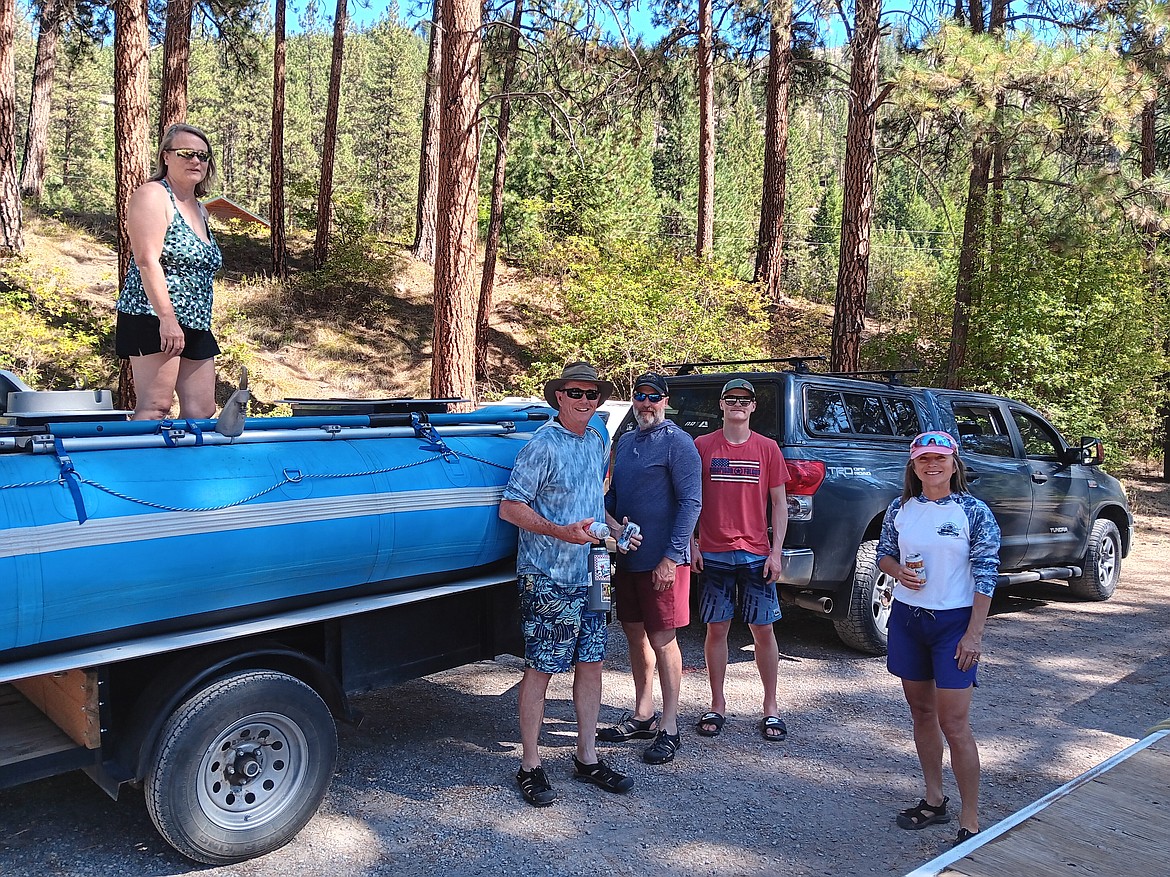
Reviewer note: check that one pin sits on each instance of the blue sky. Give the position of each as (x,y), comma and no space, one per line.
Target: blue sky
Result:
(366,12)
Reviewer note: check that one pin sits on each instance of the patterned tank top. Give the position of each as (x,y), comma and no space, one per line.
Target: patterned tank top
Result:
(189,264)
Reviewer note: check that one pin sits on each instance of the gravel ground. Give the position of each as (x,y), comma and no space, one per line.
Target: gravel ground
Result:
(425,785)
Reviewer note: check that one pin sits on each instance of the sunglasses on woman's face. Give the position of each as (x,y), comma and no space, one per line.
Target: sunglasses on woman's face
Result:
(192,153)
(934,439)
(577,393)
(652,397)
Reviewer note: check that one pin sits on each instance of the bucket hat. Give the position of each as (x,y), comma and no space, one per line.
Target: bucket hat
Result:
(576,371)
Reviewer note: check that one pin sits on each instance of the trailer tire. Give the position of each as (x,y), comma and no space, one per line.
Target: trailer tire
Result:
(864,625)
(1102,563)
(241,766)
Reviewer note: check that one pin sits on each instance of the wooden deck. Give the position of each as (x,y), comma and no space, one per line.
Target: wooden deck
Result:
(1113,819)
(24,730)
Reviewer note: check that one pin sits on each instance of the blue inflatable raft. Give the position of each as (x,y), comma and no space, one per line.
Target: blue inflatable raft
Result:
(110,529)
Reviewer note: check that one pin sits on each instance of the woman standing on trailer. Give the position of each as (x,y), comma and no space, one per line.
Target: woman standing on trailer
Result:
(164,309)
(936,625)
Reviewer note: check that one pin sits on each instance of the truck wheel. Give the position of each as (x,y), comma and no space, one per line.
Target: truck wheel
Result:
(1102,563)
(864,625)
(241,766)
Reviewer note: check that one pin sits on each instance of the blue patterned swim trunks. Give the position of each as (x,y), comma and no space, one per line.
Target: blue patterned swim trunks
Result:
(558,631)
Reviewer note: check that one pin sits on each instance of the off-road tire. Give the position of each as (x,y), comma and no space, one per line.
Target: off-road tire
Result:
(278,739)
(1102,563)
(863,627)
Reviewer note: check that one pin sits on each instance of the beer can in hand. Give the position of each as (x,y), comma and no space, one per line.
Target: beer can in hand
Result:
(916,563)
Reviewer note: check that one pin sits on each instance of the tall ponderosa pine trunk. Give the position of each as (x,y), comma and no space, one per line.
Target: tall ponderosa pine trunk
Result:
(332,108)
(428,166)
(11,229)
(131,127)
(276,159)
(969,271)
(36,140)
(857,196)
(1148,167)
(770,241)
(705,234)
(453,346)
(496,217)
(176,65)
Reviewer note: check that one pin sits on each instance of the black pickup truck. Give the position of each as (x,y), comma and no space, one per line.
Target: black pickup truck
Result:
(846,439)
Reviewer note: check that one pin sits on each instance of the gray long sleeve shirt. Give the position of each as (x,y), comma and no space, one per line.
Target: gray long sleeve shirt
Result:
(657,483)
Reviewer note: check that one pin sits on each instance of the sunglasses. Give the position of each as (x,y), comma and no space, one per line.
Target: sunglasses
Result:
(577,393)
(934,439)
(192,153)
(745,401)
(653,397)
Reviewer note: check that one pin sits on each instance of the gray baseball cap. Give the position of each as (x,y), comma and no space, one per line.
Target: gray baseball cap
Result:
(738,384)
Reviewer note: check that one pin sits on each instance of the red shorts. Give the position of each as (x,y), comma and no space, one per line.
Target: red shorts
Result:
(638,602)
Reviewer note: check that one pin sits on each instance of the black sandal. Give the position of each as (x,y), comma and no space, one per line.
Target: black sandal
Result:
(712,718)
(535,788)
(915,818)
(629,728)
(965,834)
(601,774)
(663,748)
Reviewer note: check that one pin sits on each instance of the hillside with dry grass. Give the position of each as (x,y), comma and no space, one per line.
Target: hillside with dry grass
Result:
(360,331)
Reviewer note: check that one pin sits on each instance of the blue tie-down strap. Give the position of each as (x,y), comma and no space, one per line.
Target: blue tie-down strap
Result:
(71,479)
(165,428)
(434,442)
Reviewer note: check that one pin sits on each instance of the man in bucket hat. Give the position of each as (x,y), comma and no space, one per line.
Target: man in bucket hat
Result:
(554,493)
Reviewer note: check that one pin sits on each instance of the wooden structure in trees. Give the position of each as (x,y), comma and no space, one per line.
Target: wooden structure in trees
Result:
(225,210)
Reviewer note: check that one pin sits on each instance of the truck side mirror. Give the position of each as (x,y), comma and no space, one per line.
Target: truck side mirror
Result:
(1092,451)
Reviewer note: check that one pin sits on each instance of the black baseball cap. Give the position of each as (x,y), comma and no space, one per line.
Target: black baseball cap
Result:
(652,379)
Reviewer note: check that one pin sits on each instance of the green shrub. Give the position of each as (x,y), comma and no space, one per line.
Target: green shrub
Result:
(632,306)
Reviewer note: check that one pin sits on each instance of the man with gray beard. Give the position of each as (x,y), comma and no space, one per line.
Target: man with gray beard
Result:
(657,484)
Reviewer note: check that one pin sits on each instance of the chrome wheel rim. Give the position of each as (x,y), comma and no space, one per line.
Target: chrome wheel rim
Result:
(253,771)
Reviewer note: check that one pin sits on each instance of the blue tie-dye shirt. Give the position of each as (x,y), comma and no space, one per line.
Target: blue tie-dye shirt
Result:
(958,539)
(560,476)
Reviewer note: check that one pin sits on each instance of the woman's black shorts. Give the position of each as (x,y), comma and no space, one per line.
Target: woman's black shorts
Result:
(137,335)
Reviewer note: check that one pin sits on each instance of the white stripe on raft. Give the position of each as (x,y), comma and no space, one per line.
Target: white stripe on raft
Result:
(68,535)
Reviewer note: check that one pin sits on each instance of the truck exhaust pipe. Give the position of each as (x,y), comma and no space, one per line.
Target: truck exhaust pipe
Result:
(815,604)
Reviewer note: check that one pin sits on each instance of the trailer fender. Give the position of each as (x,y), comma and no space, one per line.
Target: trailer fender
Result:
(185,672)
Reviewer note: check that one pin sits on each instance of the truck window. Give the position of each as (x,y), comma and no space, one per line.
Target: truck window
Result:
(982,430)
(826,412)
(904,417)
(837,413)
(1040,440)
(696,409)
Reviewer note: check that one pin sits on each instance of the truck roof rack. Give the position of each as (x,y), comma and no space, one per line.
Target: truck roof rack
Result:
(892,376)
(799,364)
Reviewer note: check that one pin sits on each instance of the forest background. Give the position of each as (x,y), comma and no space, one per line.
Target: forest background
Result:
(976,192)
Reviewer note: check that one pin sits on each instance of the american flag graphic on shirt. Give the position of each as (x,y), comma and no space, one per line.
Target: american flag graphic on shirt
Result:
(742,471)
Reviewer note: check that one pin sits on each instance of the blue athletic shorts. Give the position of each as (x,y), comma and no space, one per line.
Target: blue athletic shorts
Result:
(737,582)
(558,631)
(922,642)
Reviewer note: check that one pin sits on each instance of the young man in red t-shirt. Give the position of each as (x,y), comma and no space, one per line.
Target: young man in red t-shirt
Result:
(743,472)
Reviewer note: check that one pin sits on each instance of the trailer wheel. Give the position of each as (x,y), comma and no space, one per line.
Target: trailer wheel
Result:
(241,766)
(864,625)
(1102,563)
